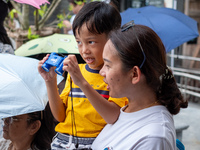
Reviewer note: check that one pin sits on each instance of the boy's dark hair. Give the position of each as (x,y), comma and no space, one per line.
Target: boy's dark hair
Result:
(99,17)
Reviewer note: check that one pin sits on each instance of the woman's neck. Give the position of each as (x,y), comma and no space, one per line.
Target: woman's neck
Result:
(142,99)
(134,107)
(23,145)
(19,147)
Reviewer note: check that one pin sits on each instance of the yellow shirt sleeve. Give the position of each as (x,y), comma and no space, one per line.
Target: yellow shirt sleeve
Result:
(121,102)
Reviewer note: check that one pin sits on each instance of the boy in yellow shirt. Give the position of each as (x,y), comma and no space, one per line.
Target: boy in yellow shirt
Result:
(84,107)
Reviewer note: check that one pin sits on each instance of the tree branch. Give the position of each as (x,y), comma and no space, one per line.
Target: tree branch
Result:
(23,15)
(48,13)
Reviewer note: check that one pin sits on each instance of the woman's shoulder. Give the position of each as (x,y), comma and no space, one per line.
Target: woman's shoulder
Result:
(159,122)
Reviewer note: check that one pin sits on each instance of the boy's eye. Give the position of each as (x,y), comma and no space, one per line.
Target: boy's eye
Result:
(91,42)
(78,42)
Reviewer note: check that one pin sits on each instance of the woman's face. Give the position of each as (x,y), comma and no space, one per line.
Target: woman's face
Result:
(17,128)
(118,81)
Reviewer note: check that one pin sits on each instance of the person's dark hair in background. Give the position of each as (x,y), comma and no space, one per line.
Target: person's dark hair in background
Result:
(44,135)
(3,13)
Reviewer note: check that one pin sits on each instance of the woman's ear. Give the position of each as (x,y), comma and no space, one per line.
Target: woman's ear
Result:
(136,74)
(34,127)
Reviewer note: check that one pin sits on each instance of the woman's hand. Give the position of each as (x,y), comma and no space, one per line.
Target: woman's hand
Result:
(47,76)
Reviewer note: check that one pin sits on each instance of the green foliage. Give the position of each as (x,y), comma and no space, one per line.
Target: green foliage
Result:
(41,11)
(12,12)
(60,25)
(32,36)
(80,2)
(61,18)
(41,14)
(70,7)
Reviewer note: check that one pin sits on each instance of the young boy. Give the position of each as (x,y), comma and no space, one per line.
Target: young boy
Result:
(84,106)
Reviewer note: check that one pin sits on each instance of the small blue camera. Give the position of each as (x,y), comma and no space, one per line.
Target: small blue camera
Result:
(54,60)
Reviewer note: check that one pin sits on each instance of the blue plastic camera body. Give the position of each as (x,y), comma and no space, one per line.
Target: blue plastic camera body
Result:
(54,60)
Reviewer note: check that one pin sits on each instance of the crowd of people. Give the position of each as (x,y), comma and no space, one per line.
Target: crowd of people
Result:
(123,97)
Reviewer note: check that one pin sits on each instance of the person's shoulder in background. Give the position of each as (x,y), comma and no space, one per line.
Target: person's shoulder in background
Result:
(6,48)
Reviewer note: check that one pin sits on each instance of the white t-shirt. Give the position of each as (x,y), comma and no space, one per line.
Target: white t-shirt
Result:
(71,21)
(148,129)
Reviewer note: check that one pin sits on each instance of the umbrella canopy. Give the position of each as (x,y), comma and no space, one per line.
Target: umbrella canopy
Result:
(35,3)
(59,43)
(173,27)
(22,89)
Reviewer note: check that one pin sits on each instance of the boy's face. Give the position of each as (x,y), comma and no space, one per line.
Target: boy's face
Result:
(91,47)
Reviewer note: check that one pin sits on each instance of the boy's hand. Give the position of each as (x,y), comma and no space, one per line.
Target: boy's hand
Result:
(47,76)
(70,65)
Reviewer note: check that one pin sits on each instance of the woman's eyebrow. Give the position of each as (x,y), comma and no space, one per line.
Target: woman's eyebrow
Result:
(107,60)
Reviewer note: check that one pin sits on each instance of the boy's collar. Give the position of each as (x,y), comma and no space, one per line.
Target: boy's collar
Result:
(91,70)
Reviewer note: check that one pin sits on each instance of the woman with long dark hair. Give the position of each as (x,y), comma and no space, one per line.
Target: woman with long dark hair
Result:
(135,67)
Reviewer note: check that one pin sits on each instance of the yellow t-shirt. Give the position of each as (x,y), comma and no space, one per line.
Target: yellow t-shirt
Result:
(87,120)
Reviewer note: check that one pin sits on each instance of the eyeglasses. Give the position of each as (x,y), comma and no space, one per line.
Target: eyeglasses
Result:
(10,120)
(125,28)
